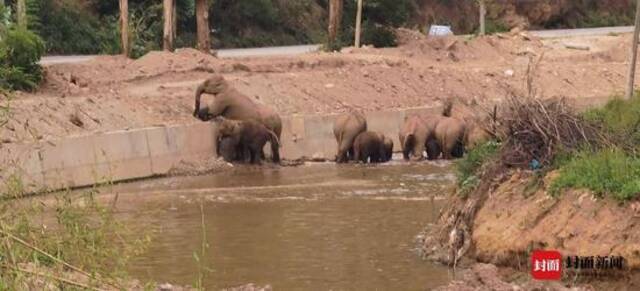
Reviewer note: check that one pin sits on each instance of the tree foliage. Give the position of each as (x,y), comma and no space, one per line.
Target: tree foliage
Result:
(20,51)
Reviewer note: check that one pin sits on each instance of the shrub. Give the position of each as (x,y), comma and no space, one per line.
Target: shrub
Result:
(468,167)
(20,51)
(604,172)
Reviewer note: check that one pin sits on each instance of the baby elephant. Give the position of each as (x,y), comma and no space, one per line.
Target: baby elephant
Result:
(372,147)
(247,138)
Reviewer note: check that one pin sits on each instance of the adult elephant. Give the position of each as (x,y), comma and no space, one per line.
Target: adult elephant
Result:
(248,137)
(450,133)
(230,103)
(345,130)
(369,147)
(415,135)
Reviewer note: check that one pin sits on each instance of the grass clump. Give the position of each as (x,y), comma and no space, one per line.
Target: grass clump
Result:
(468,167)
(613,169)
(620,119)
(605,172)
(66,240)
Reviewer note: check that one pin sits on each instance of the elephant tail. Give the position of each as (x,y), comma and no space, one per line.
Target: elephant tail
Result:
(199,92)
(275,146)
(446,110)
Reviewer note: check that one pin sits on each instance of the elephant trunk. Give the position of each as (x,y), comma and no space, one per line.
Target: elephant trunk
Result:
(199,92)
(275,146)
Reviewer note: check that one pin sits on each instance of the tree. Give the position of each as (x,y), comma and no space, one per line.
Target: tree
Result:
(21,13)
(124,26)
(335,17)
(634,56)
(202,22)
(168,33)
(358,23)
(483,13)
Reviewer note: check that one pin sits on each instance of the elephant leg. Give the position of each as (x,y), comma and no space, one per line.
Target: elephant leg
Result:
(458,150)
(433,149)
(256,156)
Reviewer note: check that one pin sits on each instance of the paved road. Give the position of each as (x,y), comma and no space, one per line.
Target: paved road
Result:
(555,33)
(223,53)
(302,49)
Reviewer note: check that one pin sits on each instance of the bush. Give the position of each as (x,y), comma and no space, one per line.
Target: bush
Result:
(468,167)
(604,172)
(20,51)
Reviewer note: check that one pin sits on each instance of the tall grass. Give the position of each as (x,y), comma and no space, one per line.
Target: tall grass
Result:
(67,240)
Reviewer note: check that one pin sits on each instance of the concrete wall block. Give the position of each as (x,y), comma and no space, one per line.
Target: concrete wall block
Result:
(292,140)
(125,152)
(434,110)
(319,133)
(196,138)
(69,162)
(23,163)
(387,123)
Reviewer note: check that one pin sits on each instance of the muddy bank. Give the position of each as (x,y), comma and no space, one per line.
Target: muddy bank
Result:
(517,215)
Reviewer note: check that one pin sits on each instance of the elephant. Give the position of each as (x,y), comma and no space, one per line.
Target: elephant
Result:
(433,149)
(249,137)
(476,135)
(231,150)
(370,147)
(345,130)
(388,149)
(450,134)
(416,133)
(231,104)
(413,136)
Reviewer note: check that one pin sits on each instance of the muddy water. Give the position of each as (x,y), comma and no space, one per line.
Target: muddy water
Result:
(313,227)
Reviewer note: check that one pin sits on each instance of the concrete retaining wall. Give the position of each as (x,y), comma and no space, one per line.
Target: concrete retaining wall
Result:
(145,152)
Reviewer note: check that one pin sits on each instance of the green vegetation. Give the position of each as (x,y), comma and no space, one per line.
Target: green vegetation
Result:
(605,172)
(72,239)
(20,51)
(468,167)
(610,171)
(379,18)
(620,119)
(606,161)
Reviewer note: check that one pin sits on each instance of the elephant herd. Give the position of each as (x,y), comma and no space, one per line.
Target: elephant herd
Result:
(245,127)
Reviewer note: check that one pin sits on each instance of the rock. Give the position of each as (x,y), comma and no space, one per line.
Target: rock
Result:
(509,73)
(165,287)
(329,85)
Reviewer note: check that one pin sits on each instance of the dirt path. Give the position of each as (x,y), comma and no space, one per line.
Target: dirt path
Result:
(110,93)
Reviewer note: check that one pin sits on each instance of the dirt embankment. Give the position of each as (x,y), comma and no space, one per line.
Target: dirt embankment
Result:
(518,215)
(111,92)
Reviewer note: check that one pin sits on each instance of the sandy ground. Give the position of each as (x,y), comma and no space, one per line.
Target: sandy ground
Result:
(112,92)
